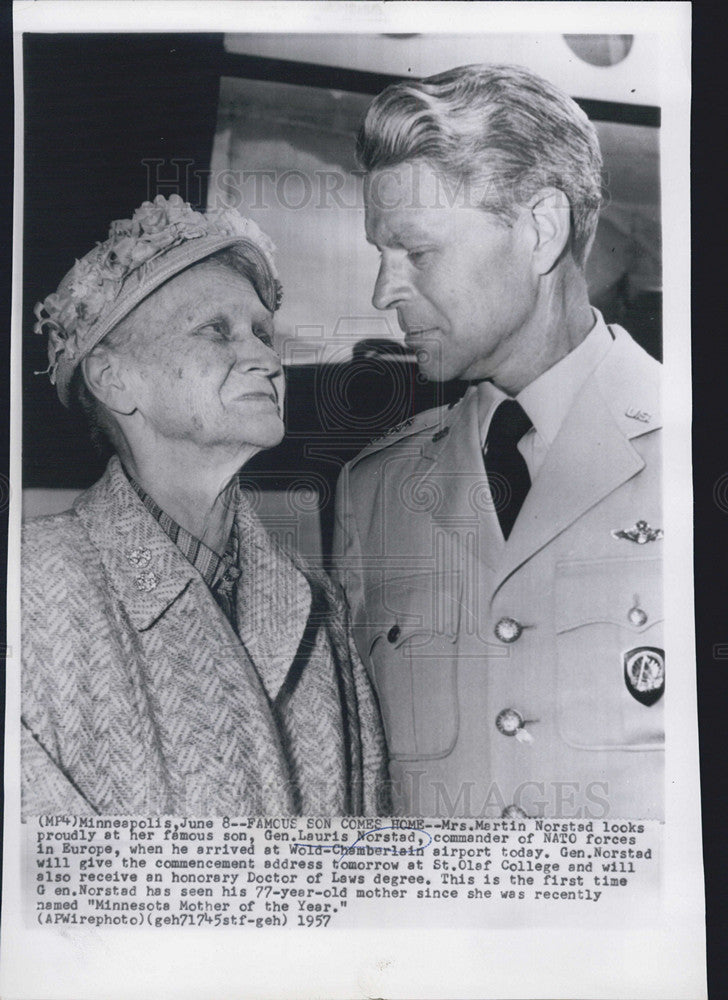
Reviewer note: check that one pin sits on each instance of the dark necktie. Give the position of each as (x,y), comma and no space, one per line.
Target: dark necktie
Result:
(505,467)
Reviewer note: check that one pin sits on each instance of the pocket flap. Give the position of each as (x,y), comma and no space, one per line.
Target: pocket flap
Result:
(416,608)
(606,612)
(628,593)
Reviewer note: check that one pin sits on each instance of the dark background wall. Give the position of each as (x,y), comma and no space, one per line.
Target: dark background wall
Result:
(98,109)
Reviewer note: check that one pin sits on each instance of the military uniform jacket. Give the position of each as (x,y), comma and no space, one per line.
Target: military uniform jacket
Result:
(525,673)
(140,698)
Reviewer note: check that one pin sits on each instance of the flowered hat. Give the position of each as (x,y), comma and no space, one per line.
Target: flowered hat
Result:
(163,238)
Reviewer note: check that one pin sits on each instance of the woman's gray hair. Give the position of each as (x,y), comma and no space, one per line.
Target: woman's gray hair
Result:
(503,131)
(99,422)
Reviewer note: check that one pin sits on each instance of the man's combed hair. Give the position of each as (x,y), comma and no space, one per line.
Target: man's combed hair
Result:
(503,130)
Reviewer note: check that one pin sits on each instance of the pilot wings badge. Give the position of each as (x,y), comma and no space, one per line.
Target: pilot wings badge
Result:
(641,533)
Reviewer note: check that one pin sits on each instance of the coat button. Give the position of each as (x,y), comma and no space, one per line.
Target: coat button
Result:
(513,812)
(509,721)
(394,633)
(508,630)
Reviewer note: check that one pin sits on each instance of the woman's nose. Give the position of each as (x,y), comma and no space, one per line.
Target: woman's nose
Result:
(257,356)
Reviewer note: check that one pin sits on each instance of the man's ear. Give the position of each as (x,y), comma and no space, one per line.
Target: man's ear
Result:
(106,379)
(550,213)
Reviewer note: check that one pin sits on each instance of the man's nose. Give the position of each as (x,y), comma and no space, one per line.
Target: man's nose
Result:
(390,287)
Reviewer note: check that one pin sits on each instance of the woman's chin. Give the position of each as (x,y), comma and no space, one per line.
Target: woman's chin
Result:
(265,433)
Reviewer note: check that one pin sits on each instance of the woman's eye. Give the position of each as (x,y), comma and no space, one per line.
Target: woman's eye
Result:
(217,328)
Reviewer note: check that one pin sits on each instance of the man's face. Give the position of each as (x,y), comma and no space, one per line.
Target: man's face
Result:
(459,278)
(200,362)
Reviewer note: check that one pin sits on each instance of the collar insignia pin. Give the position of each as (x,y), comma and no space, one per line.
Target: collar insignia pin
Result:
(641,533)
(636,414)
(439,435)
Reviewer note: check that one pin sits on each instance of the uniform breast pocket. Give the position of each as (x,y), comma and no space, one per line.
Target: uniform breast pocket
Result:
(610,654)
(412,644)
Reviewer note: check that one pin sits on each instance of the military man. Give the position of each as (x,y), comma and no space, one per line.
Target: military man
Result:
(502,557)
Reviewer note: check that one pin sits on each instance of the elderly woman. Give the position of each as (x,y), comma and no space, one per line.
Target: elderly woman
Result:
(175,660)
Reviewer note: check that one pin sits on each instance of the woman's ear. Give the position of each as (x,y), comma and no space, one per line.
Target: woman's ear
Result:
(105,378)
(551,218)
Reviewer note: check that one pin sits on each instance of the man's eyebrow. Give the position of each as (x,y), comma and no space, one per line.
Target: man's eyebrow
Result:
(405,231)
(409,228)
(265,319)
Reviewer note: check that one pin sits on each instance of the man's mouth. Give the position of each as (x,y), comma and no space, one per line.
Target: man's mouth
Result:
(419,333)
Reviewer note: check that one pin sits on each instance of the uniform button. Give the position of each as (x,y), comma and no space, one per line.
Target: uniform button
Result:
(636,615)
(513,812)
(508,630)
(509,721)
(394,633)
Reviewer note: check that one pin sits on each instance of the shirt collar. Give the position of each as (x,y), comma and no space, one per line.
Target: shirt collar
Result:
(548,399)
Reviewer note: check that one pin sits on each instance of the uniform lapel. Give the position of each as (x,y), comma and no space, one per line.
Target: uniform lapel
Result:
(452,464)
(590,458)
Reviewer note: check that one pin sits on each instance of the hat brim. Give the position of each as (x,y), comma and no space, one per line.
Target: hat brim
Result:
(148,277)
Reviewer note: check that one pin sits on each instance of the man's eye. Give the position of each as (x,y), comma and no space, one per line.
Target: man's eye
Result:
(418,256)
(263,335)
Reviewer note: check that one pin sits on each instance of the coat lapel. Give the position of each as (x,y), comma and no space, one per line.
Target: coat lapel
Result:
(208,711)
(149,573)
(144,567)
(273,601)
(590,458)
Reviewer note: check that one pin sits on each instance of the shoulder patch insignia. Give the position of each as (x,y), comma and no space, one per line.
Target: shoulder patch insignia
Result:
(644,673)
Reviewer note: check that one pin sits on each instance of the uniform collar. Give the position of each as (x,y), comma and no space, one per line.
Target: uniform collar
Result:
(549,398)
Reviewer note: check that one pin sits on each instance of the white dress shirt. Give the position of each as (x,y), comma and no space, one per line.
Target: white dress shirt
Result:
(548,399)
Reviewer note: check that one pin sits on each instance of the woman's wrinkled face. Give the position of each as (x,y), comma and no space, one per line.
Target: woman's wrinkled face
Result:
(201,366)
